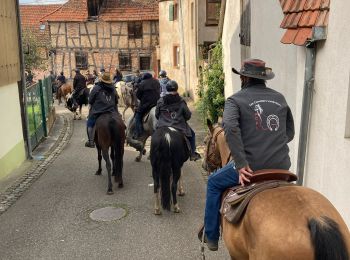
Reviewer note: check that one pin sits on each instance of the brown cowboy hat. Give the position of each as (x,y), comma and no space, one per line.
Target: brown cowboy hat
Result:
(255,68)
(106,78)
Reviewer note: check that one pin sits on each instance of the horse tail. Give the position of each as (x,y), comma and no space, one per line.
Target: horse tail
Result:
(328,241)
(165,170)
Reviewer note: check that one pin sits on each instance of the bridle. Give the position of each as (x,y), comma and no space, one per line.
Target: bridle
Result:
(213,157)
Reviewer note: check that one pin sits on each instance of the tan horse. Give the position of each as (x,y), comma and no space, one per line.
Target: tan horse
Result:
(290,222)
(63,91)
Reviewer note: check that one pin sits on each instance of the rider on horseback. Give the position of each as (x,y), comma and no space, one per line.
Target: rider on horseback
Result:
(258,125)
(163,80)
(79,83)
(103,99)
(148,92)
(172,111)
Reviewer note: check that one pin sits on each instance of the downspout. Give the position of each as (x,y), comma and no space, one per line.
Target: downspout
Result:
(318,33)
(183,47)
(22,91)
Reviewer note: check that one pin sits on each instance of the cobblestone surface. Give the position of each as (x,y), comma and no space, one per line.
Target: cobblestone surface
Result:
(15,191)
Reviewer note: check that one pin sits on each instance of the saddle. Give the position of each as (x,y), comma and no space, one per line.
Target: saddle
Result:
(236,199)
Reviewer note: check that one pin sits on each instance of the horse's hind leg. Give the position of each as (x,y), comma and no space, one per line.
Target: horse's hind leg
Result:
(181,186)
(156,192)
(108,166)
(79,115)
(99,157)
(113,161)
(176,177)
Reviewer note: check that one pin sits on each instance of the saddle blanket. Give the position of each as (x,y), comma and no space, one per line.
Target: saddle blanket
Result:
(237,198)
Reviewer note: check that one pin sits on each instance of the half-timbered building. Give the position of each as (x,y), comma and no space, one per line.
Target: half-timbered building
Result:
(109,34)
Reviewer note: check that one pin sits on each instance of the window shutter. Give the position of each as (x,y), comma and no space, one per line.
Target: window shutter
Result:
(171,12)
(245,23)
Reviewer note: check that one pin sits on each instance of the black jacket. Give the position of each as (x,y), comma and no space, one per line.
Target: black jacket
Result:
(258,125)
(173,111)
(103,99)
(148,93)
(79,83)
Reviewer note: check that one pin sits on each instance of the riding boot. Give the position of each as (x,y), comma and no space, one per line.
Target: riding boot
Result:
(91,135)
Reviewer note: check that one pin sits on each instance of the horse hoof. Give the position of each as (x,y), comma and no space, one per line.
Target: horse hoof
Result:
(177,210)
(110,192)
(79,118)
(137,159)
(157,212)
(144,152)
(98,172)
(181,193)
(120,185)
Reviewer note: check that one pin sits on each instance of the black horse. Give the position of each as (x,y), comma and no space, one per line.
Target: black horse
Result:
(83,99)
(110,133)
(169,151)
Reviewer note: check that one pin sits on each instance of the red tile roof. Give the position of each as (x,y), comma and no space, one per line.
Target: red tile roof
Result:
(72,11)
(130,10)
(30,20)
(112,10)
(299,18)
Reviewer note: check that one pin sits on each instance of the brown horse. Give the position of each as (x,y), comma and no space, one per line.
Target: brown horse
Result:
(63,91)
(290,222)
(110,133)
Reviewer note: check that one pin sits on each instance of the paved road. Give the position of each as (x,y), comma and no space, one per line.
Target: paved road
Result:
(51,220)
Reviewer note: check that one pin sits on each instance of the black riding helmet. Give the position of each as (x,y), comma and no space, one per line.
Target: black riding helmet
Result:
(171,85)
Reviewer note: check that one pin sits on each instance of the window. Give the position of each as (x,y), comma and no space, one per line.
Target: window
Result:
(204,50)
(245,23)
(94,7)
(145,63)
(135,30)
(213,12)
(192,15)
(125,61)
(173,12)
(176,56)
(81,60)
(347,122)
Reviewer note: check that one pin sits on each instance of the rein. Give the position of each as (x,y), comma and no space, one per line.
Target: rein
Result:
(213,159)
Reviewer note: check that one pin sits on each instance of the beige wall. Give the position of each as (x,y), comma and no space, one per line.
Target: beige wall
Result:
(11,134)
(327,162)
(195,33)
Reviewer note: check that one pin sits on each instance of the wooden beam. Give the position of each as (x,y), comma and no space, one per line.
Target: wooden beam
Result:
(59,28)
(88,35)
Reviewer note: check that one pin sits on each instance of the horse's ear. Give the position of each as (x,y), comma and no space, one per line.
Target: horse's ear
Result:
(210,125)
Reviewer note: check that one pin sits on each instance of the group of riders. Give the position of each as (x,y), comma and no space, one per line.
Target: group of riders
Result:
(162,93)
(257,122)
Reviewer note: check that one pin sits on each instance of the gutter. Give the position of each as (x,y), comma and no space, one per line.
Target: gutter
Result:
(318,33)
(22,91)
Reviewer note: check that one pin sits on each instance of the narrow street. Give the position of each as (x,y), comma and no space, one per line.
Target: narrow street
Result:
(51,220)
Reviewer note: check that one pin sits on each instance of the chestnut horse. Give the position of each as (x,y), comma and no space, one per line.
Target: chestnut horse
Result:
(110,133)
(290,222)
(63,91)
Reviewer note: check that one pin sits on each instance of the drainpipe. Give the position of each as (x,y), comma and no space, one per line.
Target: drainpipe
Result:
(318,33)
(22,91)
(183,47)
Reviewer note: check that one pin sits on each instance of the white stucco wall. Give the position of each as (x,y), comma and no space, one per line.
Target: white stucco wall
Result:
(11,124)
(328,160)
(328,151)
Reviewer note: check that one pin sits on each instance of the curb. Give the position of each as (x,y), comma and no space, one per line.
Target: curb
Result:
(15,191)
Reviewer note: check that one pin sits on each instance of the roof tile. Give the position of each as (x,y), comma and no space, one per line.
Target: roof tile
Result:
(302,36)
(289,36)
(300,16)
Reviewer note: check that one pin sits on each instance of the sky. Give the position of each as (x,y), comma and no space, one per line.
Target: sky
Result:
(42,1)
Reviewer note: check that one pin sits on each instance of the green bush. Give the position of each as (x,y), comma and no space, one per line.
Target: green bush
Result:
(211,89)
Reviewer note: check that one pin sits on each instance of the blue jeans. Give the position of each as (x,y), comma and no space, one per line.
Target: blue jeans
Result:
(218,182)
(91,121)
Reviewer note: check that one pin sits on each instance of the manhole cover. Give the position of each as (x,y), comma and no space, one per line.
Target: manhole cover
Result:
(108,214)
